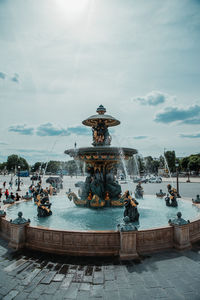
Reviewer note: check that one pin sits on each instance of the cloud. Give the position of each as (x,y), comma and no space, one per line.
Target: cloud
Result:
(50,129)
(79,130)
(21,129)
(194,121)
(153,98)
(15,78)
(3,143)
(173,114)
(140,137)
(2,75)
(190,136)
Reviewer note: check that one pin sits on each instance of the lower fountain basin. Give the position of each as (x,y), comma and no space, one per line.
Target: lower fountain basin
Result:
(66,216)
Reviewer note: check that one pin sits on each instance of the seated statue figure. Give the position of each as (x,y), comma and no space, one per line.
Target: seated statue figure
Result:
(171,201)
(112,186)
(131,208)
(197,200)
(139,191)
(100,134)
(44,206)
(85,188)
(160,194)
(96,185)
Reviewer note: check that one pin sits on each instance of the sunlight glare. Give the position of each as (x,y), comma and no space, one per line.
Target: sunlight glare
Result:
(72,8)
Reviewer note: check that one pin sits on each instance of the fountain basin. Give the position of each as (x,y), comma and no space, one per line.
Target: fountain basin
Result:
(100,242)
(66,216)
(101,153)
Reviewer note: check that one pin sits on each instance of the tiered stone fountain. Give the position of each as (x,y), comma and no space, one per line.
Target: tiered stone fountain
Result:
(101,187)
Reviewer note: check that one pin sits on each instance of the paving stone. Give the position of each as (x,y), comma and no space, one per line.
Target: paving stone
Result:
(72,290)
(21,296)
(110,285)
(126,294)
(191,296)
(48,277)
(11,295)
(97,291)
(172,293)
(109,275)
(58,277)
(36,280)
(30,277)
(21,268)
(37,291)
(85,286)
(111,295)
(51,288)
(66,282)
(15,265)
(83,295)
(157,292)
(98,276)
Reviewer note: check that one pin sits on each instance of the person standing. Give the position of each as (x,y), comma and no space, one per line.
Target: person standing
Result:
(4,184)
(6,193)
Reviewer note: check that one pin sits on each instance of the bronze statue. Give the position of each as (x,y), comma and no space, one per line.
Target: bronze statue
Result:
(131,208)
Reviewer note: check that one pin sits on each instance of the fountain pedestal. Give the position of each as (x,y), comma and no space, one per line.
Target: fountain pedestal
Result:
(18,232)
(17,236)
(181,237)
(128,249)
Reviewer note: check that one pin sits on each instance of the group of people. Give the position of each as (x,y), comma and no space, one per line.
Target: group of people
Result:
(10,197)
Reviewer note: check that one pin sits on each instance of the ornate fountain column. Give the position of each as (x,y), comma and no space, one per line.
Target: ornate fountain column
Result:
(18,232)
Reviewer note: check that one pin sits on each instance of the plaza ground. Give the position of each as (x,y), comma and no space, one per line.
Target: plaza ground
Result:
(168,275)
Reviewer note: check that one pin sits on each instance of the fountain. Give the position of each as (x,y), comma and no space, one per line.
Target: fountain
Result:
(81,231)
(101,188)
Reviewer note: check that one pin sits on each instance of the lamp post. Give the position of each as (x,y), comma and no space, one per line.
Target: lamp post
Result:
(177,183)
(188,175)
(18,183)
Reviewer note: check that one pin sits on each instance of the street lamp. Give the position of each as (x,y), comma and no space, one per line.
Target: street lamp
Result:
(177,183)
(18,183)
(188,175)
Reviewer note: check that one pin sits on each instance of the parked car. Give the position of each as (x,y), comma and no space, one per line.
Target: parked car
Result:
(155,180)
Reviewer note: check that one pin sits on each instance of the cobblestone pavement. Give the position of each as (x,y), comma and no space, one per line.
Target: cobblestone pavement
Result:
(31,275)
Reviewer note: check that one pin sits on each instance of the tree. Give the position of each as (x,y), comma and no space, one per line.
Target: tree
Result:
(184,163)
(194,163)
(13,161)
(171,158)
(53,166)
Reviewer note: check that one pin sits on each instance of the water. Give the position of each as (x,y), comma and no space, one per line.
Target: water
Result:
(67,216)
(121,153)
(166,164)
(136,164)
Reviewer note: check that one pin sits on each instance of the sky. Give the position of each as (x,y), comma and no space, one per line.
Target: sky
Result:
(61,59)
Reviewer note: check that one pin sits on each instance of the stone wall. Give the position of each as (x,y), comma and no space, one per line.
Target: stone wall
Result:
(91,243)
(194,231)
(5,229)
(153,240)
(101,243)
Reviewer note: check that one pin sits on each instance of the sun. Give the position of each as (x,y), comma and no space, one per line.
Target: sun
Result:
(72,8)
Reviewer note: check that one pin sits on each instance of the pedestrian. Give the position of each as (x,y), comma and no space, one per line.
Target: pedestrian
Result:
(4,184)
(10,184)
(17,197)
(0,193)
(12,196)
(6,193)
